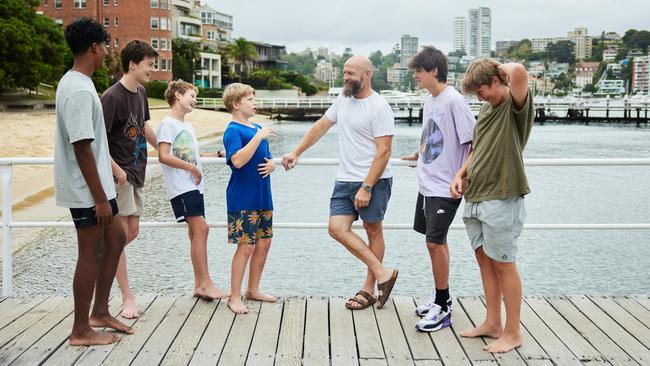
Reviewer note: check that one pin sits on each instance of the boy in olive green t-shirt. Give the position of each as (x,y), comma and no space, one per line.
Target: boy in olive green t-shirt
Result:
(496,184)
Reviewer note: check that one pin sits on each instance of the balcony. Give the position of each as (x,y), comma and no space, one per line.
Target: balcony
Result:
(184,4)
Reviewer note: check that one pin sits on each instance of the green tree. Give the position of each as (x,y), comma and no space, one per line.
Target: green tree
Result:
(634,39)
(562,51)
(32,46)
(302,64)
(241,52)
(186,59)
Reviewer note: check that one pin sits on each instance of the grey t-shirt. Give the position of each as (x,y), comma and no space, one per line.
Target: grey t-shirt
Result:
(447,130)
(79,117)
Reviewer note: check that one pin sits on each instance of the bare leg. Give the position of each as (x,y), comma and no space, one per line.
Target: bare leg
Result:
(375,233)
(439,254)
(131,226)
(491,326)
(258,259)
(113,239)
(89,240)
(239,261)
(203,287)
(340,228)
(510,283)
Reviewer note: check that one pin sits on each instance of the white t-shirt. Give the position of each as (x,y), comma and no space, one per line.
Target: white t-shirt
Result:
(79,117)
(447,129)
(360,121)
(185,147)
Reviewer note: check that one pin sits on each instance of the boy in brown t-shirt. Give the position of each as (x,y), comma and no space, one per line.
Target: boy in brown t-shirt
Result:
(496,184)
(126,113)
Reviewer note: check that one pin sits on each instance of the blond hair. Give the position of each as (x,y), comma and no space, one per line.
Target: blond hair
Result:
(480,72)
(177,86)
(234,93)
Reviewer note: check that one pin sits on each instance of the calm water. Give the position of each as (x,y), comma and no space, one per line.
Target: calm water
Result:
(308,262)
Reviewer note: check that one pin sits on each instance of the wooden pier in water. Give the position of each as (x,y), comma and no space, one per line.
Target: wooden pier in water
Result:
(181,330)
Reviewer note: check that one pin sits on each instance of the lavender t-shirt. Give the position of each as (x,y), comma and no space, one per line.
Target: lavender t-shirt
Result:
(447,131)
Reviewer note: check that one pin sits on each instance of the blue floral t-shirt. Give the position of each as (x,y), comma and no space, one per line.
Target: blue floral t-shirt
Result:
(247,190)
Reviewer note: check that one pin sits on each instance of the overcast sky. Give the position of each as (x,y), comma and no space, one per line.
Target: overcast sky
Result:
(366,25)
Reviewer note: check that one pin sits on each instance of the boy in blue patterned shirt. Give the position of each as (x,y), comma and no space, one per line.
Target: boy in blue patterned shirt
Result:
(248,196)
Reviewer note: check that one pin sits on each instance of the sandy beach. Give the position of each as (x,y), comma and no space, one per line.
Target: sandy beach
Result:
(31,134)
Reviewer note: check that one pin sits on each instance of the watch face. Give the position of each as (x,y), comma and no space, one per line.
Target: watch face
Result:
(367,188)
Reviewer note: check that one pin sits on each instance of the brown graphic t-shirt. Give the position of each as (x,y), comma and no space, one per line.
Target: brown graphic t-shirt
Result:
(125,113)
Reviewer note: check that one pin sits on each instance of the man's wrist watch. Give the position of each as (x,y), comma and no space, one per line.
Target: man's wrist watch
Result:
(367,187)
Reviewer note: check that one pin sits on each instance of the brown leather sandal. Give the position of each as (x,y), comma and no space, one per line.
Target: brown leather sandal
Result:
(369,301)
(385,289)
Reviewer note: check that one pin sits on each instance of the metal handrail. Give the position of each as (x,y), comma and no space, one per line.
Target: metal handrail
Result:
(6,170)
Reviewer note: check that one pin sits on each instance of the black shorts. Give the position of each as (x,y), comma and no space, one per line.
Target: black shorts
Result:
(85,217)
(188,204)
(433,216)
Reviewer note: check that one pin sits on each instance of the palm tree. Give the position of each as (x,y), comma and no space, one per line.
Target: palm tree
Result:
(241,52)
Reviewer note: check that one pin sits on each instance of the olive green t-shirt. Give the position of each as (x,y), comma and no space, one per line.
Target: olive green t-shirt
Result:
(496,171)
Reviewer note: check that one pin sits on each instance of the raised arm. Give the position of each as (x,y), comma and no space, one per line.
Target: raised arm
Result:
(244,155)
(316,131)
(517,78)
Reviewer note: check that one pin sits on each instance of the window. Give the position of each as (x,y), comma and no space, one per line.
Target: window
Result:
(154,43)
(79,4)
(164,4)
(116,22)
(107,22)
(58,4)
(154,22)
(59,21)
(117,43)
(106,2)
(163,44)
(155,64)
(45,3)
(154,3)
(115,2)
(211,35)
(163,23)
(163,64)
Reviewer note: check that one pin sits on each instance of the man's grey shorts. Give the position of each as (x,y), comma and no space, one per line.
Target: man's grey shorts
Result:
(342,200)
(130,199)
(495,225)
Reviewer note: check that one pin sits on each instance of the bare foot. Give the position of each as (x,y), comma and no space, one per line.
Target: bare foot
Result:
(107,320)
(237,306)
(505,343)
(256,295)
(210,293)
(130,310)
(92,338)
(483,330)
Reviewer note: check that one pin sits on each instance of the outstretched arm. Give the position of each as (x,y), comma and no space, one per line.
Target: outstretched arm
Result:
(316,131)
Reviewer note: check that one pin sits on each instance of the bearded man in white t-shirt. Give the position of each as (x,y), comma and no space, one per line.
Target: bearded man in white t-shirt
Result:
(364,178)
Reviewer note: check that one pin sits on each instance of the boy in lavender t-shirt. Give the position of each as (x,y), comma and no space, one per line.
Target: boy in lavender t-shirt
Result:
(447,130)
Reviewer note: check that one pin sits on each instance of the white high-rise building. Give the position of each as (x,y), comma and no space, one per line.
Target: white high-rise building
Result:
(408,48)
(479,32)
(459,35)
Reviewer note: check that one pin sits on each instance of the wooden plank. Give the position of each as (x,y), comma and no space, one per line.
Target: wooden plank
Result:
(316,351)
(265,339)
(553,346)
(158,343)
(395,346)
(28,319)
(13,308)
(372,362)
(451,352)
(420,344)
(563,330)
(68,355)
(239,340)
(539,363)
(475,310)
(129,345)
(633,307)
(428,363)
(368,338)
(623,318)
(14,348)
(612,352)
(211,344)
(292,331)
(643,300)
(620,336)
(180,352)
(343,346)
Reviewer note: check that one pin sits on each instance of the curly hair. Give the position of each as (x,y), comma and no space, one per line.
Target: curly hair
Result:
(82,33)
(177,86)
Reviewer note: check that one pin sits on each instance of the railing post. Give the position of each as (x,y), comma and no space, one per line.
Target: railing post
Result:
(7,271)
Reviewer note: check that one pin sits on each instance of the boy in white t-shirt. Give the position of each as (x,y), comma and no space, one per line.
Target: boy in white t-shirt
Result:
(178,153)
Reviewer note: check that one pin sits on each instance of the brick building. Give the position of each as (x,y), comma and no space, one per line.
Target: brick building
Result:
(148,20)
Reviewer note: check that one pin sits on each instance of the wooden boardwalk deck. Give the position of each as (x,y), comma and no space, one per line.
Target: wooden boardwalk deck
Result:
(558,330)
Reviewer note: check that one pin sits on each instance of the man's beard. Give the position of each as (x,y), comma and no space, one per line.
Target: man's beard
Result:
(352,87)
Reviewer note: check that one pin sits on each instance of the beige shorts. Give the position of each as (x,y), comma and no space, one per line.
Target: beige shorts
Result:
(130,199)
